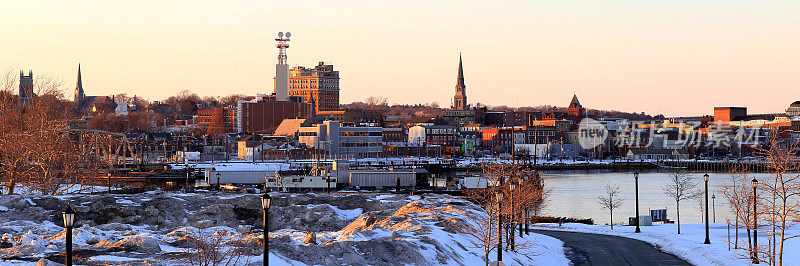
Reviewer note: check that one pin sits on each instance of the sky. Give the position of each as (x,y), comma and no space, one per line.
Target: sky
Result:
(670,57)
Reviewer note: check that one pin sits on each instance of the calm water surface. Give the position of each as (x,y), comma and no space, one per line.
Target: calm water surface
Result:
(574,194)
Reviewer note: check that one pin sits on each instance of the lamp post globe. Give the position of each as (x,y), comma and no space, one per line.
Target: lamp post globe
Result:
(705,180)
(265,202)
(636,178)
(218,184)
(69,221)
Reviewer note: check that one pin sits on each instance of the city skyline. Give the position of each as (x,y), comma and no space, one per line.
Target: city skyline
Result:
(515,54)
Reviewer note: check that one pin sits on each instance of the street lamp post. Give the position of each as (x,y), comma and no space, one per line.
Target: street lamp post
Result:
(265,201)
(218,184)
(713,208)
(69,221)
(755,223)
(636,177)
(328,180)
(705,179)
(109,182)
(499,225)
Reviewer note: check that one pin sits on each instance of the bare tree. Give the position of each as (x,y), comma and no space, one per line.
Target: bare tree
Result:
(32,152)
(680,187)
(528,193)
(739,193)
(206,247)
(376,102)
(701,206)
(610,200)
(482,228)
(781,189)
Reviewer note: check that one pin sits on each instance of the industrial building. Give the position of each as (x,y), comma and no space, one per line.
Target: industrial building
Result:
(342,141)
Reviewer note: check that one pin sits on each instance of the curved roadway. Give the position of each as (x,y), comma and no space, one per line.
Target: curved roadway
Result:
(595,249)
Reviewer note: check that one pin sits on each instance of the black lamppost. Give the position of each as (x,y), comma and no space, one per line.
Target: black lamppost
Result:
(218,184)
(713,208)
(265,201)
(109,183)
(69,222)
(705,179)
(636,177)
(499,225)
(328,180)
(755,223)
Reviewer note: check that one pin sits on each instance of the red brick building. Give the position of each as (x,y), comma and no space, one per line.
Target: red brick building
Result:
(265,114)
(727,114)
(219,119)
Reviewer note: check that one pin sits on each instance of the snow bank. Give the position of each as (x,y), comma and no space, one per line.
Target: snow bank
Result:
(374,229)
(689,244)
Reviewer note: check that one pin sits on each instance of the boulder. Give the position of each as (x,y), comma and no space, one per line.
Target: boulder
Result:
(311,238)
(23,251)
(144,243)
(46,262)
(50,203)
(114,227)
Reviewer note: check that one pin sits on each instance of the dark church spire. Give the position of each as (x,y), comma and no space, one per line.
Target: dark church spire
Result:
(79,95)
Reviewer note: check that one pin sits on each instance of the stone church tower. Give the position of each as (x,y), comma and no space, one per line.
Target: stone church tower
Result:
(460,100)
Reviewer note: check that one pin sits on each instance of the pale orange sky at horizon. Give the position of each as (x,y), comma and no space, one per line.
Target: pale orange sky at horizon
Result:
(672,57)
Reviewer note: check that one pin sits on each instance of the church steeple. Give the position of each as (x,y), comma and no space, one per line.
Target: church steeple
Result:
(460,79)
(79,95)
(460,99)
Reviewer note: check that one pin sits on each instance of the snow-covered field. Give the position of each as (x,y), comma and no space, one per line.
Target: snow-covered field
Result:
(158,228)
(689,244)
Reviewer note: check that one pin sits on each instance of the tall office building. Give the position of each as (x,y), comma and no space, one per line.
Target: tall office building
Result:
(318,86)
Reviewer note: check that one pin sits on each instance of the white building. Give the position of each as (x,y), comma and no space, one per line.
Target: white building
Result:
(343,141)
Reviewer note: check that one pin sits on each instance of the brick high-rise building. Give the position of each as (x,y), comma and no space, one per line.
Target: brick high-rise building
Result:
(318,86)
(217,120)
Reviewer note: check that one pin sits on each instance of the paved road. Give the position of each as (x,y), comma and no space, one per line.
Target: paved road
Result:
(594,249)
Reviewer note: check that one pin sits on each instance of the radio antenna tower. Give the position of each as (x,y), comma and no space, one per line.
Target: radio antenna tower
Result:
(283,43)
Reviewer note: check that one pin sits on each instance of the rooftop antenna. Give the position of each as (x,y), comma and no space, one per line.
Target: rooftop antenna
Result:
(283,43)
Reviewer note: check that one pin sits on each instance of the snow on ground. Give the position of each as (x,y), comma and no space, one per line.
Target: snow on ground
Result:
(689,244)
(157,227)
(419,226)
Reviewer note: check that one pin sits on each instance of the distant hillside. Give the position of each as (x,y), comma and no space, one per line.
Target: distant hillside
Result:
(434,110)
